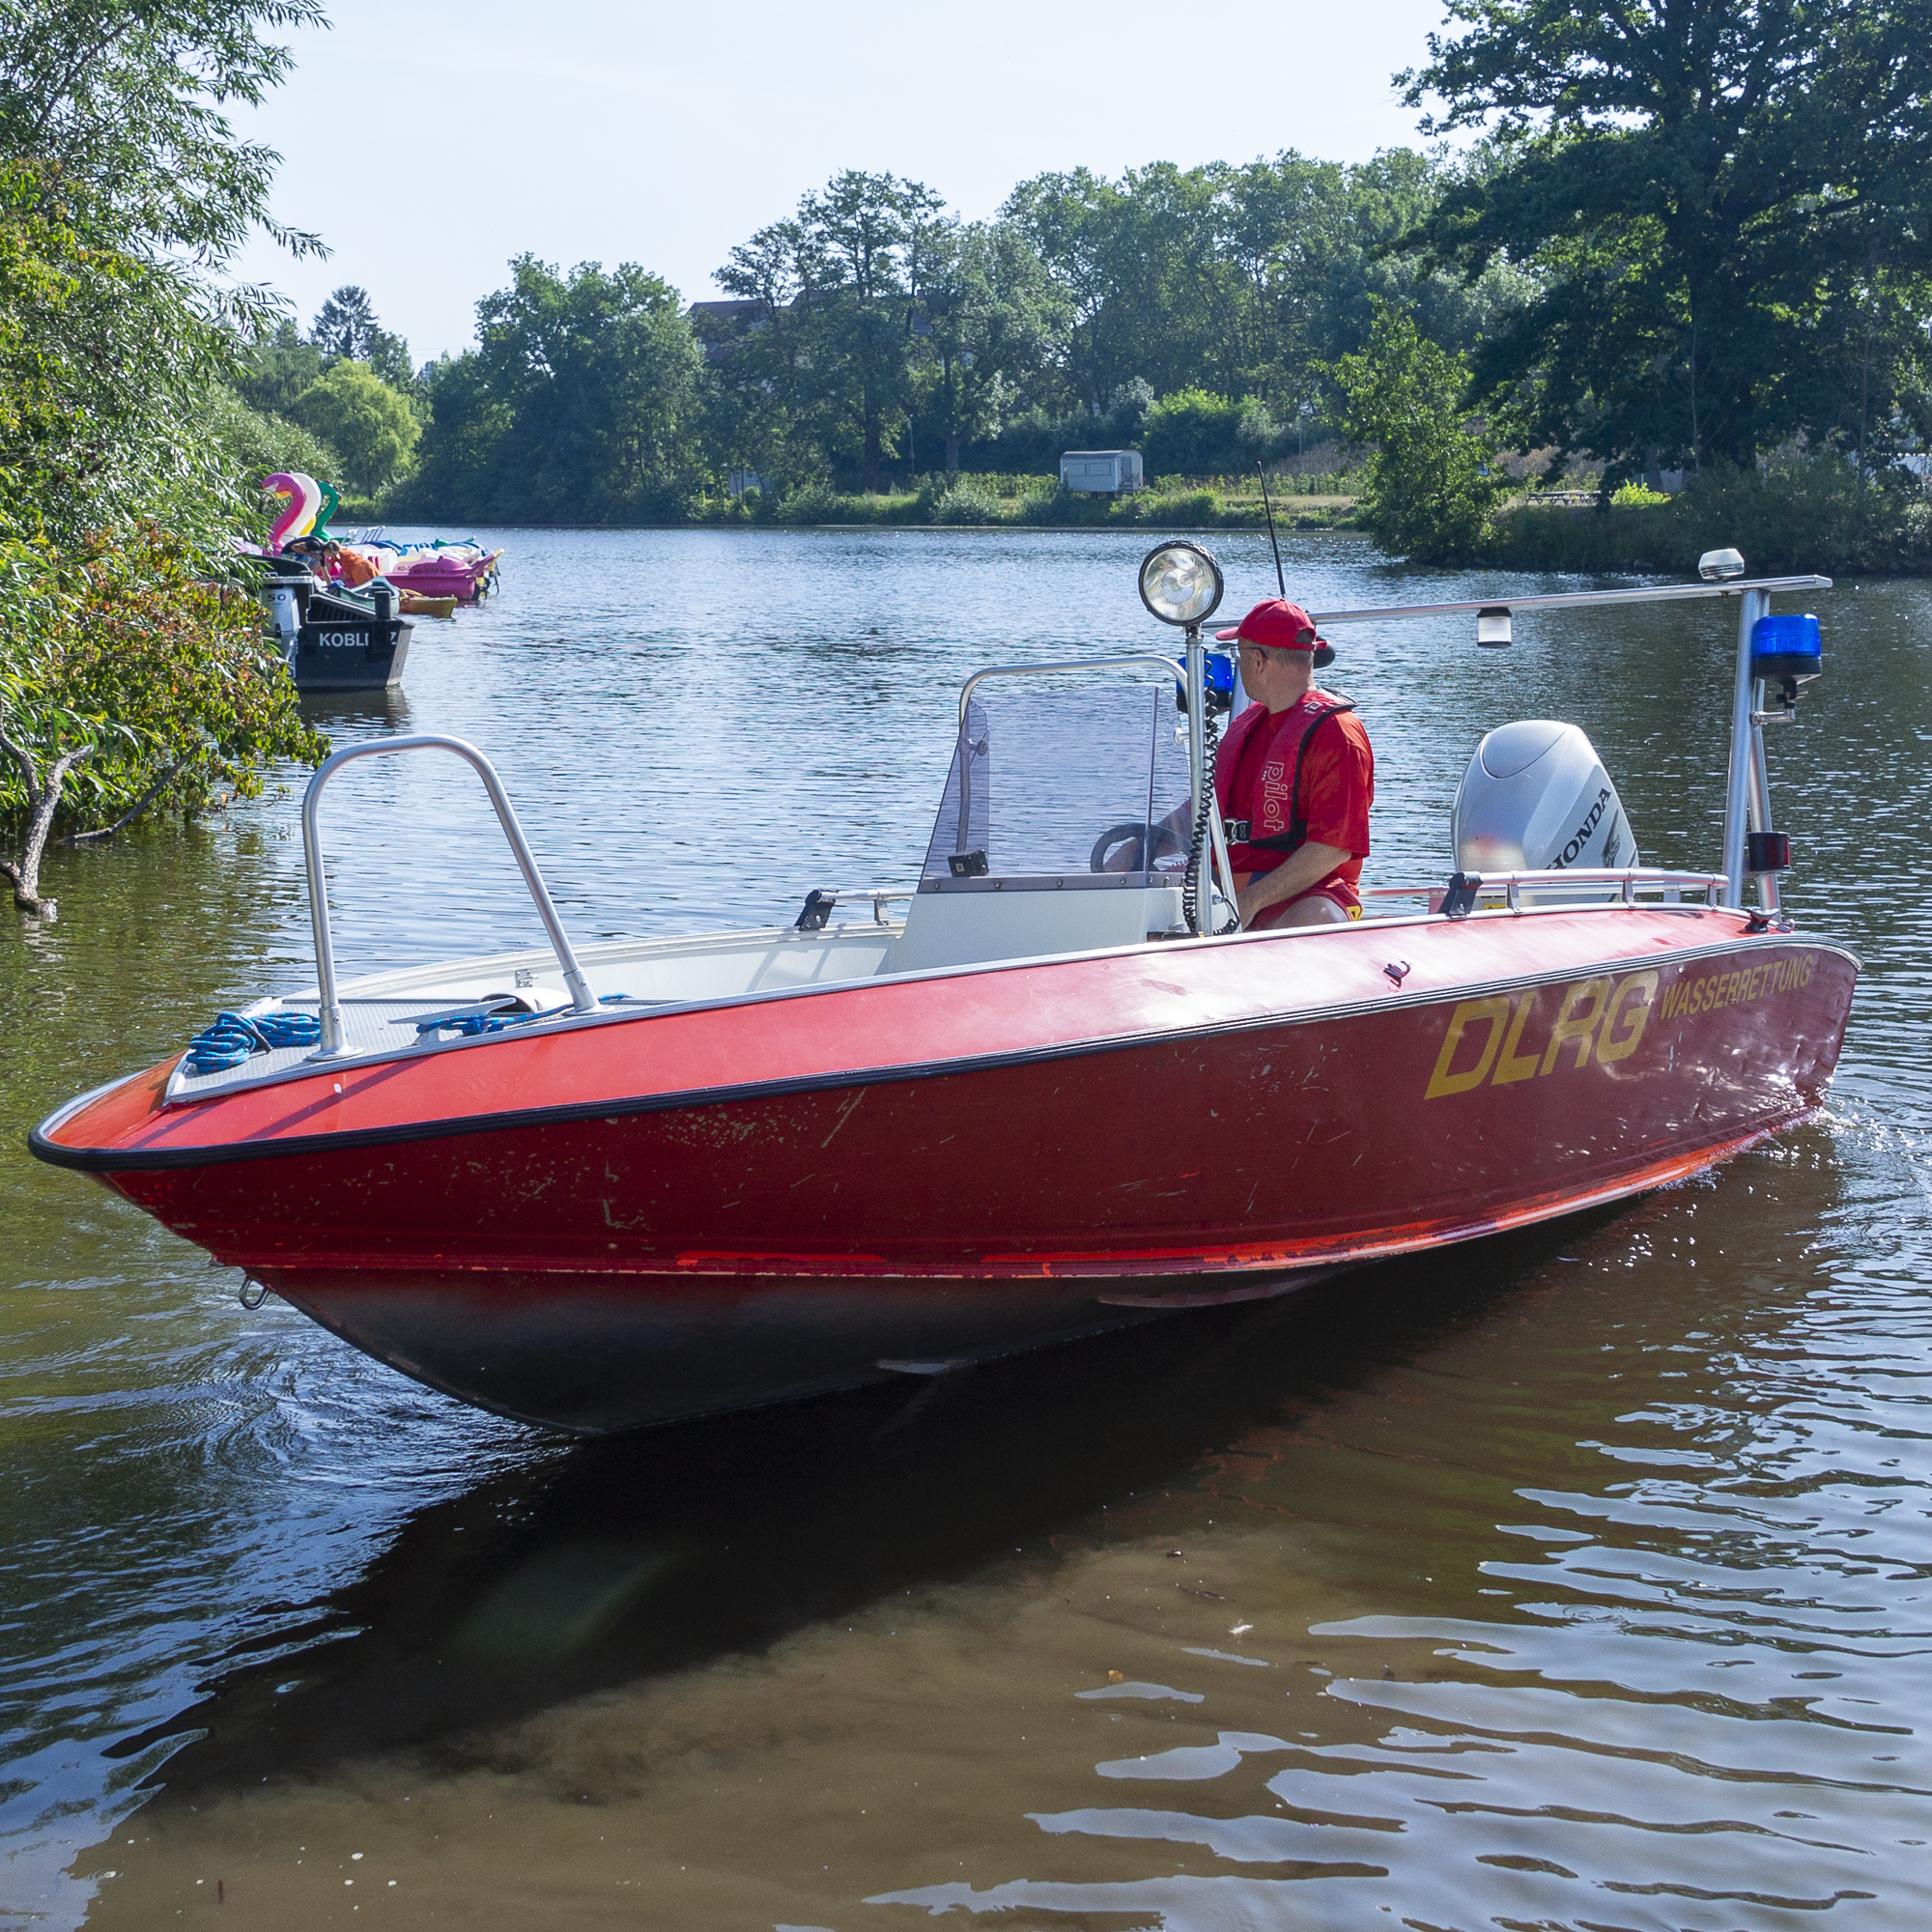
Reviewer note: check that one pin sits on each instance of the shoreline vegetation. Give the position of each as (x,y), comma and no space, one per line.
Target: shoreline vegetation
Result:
(1795,515)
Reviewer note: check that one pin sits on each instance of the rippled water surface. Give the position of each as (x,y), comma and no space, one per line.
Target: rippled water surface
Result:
(1573,1580)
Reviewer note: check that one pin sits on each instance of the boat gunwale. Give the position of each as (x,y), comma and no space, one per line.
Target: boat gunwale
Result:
(623,1012)
(112,1160)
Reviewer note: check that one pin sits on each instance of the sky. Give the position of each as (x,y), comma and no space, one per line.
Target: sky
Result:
(427,142)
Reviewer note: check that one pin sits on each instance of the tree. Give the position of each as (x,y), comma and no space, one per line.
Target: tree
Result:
(458,473)
(277,366)
(989,317)
(830,342)
(1194,434)
(1242,280)
(371,428)
(1702,188)
(106,361)
(1138,267)
(346,330)
(345,326)
(134,669)
(1431,486)
(581,403)
(124,99)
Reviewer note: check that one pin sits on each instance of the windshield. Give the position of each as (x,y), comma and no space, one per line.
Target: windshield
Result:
(1051,771)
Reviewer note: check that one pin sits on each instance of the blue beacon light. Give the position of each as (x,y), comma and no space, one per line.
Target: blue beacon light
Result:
(1786,647)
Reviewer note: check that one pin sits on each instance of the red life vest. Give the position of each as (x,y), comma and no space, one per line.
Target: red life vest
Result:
(1277,823)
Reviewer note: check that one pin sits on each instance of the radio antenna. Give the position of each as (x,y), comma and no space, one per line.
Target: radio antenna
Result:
(1281,582)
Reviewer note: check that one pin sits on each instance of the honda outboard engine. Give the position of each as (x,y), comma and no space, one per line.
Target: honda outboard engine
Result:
(1536,798)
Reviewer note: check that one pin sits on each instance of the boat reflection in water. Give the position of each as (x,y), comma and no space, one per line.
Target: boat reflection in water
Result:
(630,1559)
(647,1180)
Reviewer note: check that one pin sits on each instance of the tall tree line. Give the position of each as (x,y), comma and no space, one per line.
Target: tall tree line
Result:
(871,335)
(1682,237)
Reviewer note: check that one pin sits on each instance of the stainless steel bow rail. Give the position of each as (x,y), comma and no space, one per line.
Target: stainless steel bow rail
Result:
(1584,884)
(331,1047)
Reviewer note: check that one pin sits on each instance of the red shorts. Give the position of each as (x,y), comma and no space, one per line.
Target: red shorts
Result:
(1337,890)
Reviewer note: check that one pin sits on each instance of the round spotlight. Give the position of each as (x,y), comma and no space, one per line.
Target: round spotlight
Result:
(1180,584)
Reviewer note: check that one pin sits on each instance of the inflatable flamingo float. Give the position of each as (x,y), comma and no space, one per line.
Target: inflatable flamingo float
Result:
(298,520)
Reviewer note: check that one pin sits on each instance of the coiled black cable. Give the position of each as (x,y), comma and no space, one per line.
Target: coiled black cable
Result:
(1190,890)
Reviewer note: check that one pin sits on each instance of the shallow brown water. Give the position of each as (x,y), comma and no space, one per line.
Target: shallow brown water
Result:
(1577,1580)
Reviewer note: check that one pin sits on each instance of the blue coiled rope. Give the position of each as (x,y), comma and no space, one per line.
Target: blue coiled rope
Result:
(232,1039)
(471,1026)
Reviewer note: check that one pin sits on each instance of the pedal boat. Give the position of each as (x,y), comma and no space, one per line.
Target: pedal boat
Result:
(607,1187)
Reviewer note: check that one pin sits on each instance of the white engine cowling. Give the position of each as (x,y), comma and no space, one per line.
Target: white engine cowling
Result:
(1536,798)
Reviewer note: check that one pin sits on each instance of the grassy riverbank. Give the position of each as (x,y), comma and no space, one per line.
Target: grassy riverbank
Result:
(1037,502)
(1029,503)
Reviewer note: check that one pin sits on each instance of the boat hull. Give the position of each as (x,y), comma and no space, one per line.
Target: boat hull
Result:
(630,1221)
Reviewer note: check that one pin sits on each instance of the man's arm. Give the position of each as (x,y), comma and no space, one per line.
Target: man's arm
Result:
(1307,866)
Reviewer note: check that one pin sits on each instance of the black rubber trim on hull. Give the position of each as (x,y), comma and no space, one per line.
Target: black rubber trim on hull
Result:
(109,1160)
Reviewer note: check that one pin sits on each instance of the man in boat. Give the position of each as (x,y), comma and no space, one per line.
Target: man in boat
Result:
(1297,767)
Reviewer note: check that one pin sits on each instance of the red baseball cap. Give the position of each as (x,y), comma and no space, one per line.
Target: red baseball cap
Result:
(1276,625)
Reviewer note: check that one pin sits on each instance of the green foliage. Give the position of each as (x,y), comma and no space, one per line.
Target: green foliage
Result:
(1724,208)
(346,330)
(580,405)
(254,444)
(1193,433)
(1792,514)
(371,428)
(276,367)
(816,373)
(126,645)
(1637,495)
(967,502)
(131,681)
(105,362)
(124,104)
(986,318)
(127,677)
(1242,280)
(1431,484)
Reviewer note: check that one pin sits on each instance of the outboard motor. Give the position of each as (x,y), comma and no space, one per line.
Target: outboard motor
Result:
(1536,798)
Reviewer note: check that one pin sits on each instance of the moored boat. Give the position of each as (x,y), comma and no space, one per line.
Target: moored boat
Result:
(438,569)
(604,1187)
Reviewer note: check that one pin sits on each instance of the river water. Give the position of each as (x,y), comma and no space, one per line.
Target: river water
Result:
(1579,1580)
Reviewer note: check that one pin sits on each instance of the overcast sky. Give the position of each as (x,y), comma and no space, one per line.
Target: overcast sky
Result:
(428,142)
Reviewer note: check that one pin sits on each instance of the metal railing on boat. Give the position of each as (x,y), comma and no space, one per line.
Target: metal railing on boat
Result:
(1596,881)
(582,999)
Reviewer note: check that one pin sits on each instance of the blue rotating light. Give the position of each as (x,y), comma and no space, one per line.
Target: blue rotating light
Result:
(1220,669)
(1786,647)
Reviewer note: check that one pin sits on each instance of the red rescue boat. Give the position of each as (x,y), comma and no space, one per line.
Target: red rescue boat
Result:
(651,1179)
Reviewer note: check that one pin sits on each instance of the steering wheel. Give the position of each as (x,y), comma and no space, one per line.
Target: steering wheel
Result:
(1149,843)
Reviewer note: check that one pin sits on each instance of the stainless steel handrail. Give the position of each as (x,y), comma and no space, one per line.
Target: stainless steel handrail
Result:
(1570,600)
(1513,885)
(331,1047)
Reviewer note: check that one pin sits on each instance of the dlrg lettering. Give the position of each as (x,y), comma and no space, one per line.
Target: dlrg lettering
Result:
(1601,1018)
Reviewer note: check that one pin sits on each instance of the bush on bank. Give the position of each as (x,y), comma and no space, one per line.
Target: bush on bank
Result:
(1794,514)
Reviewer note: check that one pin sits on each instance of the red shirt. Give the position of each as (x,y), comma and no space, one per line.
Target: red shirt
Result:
(1337,786)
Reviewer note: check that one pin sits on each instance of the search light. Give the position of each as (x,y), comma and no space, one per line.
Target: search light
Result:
(1180,584)
(1716,566)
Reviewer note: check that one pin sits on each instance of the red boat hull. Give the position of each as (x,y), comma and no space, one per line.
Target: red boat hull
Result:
(661,1214)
